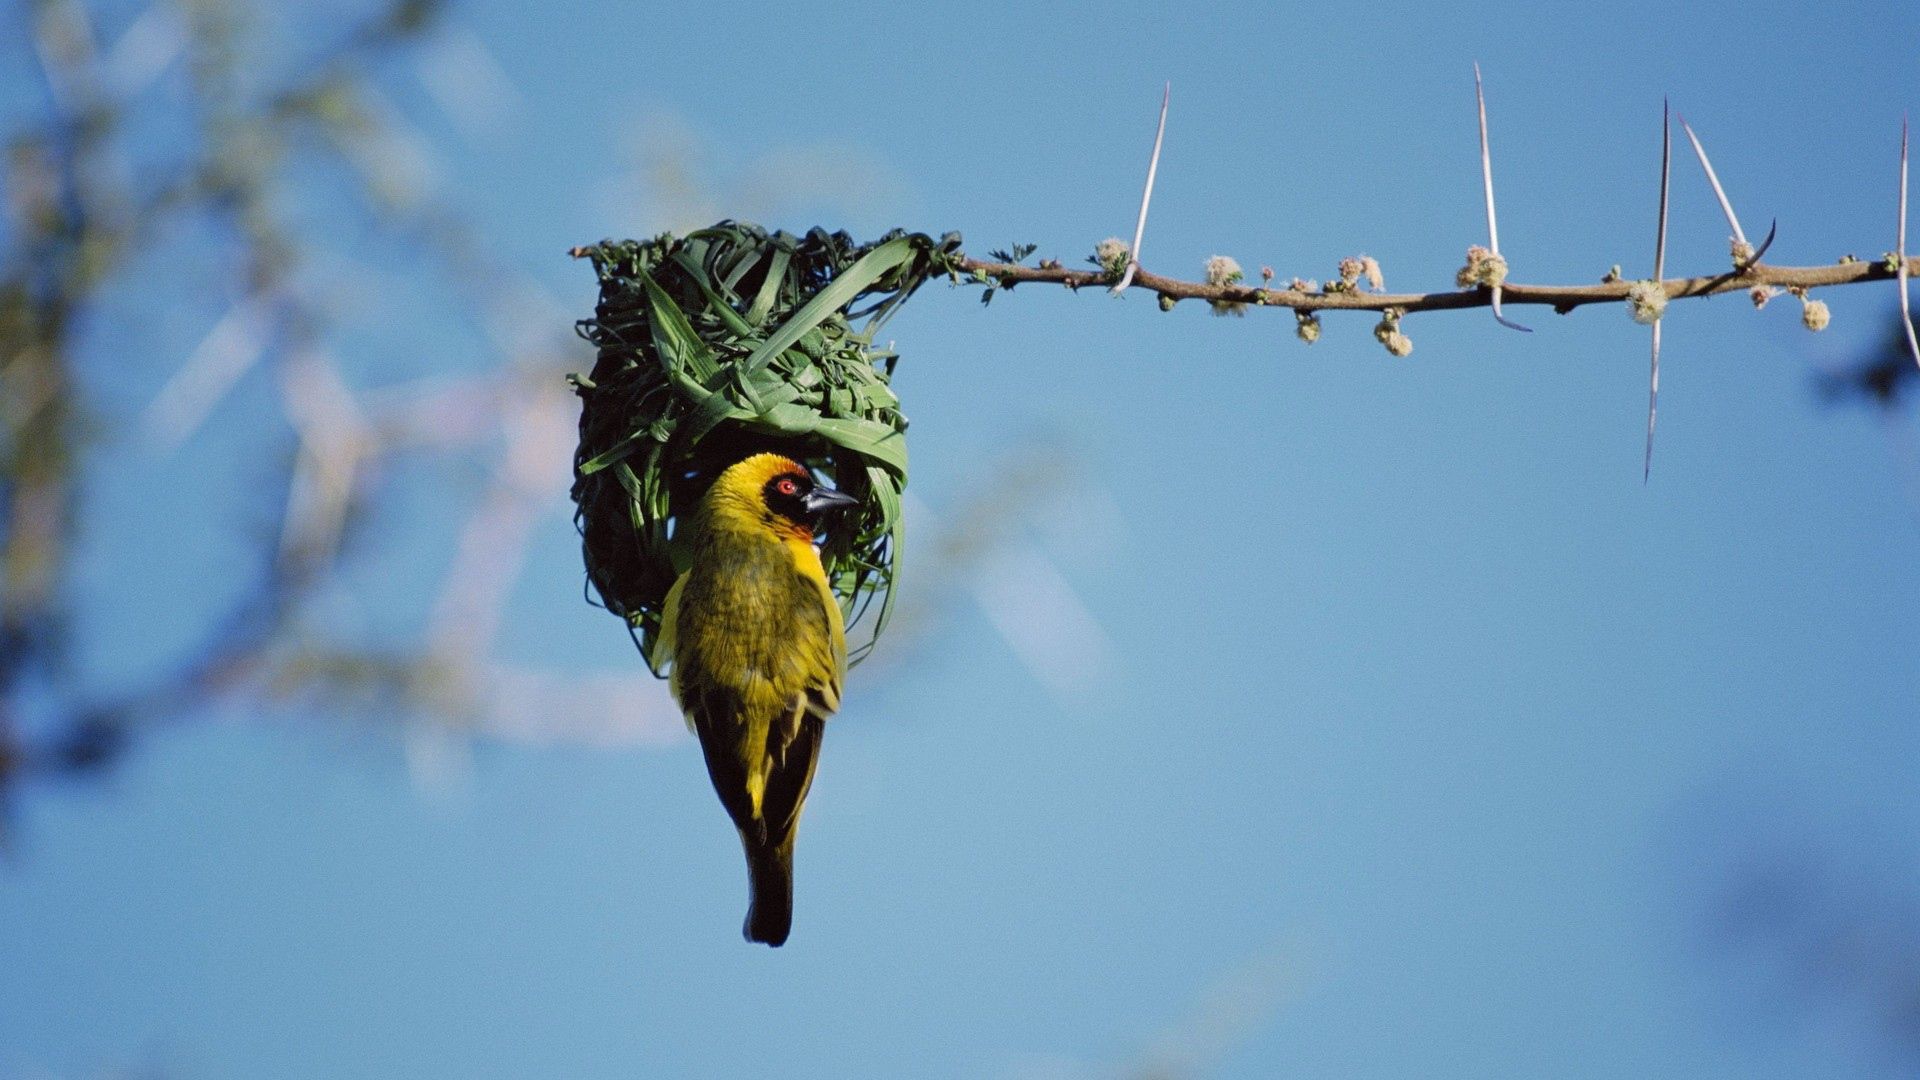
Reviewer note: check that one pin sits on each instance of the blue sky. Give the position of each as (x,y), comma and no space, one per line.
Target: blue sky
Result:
(1424,740)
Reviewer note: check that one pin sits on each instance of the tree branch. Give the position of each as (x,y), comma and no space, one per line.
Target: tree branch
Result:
(1562,298)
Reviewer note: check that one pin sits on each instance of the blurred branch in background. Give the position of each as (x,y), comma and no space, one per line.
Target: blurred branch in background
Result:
(1239,1003)
(1230,1009)
(1881,378)
(684,180)
(993,547)
(1834,939)
(1882,381)
(86,205)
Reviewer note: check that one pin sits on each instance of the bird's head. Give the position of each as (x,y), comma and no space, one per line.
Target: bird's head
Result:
(775,492)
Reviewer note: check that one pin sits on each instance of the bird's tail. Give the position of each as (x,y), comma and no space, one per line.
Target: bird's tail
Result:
(770,875)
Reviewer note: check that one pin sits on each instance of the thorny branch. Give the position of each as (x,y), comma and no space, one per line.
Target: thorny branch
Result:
(1562,298)
(1483,280)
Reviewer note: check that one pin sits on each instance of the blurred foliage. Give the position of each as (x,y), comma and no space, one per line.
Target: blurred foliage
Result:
(1881,378)
(87,197)
(1835,934)
(723,343)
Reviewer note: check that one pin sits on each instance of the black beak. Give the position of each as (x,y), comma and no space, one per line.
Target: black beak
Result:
(822,499)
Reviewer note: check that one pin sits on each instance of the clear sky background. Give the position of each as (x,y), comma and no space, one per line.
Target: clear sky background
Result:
(1412,736)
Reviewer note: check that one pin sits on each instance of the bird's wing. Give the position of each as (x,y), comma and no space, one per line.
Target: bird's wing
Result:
(793,747)
(790,774)
(824,640)
(718,715)
(669,615)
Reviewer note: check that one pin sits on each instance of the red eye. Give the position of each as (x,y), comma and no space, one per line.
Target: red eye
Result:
(787,487)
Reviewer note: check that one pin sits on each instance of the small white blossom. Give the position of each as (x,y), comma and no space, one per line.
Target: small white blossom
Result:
(1222,270)
(1483,268)
(1647,301)
(1112,255)
(1370,269)
(1309,328)
(1814,315)
(1387,332)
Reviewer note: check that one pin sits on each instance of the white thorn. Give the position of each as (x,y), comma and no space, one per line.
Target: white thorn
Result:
(1486,162)
(1714,179)
(1486,177)
(1906,305)
(1146,196)
(1659,274)
(1653,405)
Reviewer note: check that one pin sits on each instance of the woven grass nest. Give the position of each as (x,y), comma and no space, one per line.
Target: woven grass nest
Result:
(723,343)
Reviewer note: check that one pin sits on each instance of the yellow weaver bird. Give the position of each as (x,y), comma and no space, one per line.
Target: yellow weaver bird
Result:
(758,653)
